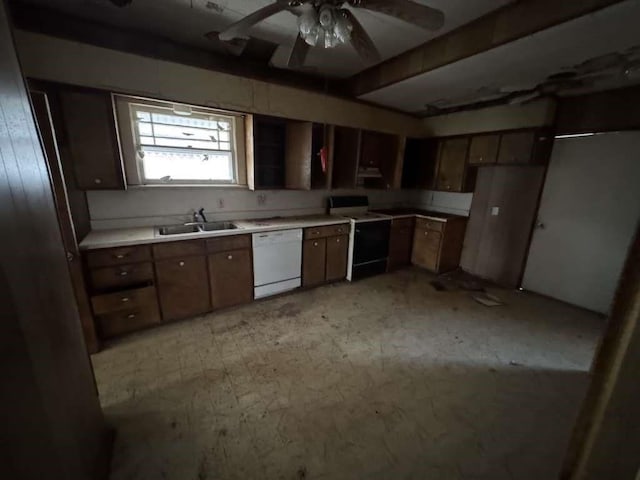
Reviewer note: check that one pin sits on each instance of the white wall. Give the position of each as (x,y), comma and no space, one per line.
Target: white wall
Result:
(49,58)
(166,205)
(447,202)
(504,117)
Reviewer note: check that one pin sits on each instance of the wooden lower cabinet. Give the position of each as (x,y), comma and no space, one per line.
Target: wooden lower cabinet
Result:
(125,310)
(314,257)
(437,245)
(400,243)
(336,263)
(230,278)
(183,287)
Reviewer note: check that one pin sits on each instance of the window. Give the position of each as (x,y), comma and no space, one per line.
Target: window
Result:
(175,144)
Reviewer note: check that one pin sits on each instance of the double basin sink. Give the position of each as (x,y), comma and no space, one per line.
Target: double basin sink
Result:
(196,228)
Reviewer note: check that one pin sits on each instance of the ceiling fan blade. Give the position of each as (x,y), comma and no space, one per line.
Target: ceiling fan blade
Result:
(242,26)
(361,40)
(298,53)
(411,12)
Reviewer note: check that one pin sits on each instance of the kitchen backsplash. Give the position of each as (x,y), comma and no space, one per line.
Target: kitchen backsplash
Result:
(166,205)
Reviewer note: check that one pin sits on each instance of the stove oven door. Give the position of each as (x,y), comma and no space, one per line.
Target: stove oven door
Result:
(370,248)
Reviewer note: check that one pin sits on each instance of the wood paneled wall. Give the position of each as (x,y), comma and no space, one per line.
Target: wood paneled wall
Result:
(52,424)
(609,111)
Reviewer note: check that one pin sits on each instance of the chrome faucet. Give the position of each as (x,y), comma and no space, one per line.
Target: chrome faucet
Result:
(198,218)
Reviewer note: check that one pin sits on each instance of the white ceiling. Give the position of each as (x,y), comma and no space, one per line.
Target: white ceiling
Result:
(522,64)
(187,21)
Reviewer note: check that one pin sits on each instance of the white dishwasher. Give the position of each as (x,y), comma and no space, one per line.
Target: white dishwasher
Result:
(277,261)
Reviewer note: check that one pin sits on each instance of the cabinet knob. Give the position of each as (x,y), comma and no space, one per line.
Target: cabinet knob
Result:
(125,299)
(480,159)
(120,256)
(426,233)
(131,315)
(124,274)
(315,244)
(339,230)
(97,181)
(181,264)
(337,240)
(229,257)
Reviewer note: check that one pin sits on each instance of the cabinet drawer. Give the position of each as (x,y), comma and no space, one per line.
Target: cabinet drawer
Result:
(232,242)
(326,231)
(135,298)
(127,321)
(118,256)
(121,276)
(178,249)
(427,224)
(403,222)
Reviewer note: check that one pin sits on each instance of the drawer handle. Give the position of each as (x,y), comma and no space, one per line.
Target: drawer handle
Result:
(181,264)
(229,257)
(340,230)
(124,274)
(125,299)
(120,256)
(131,315)
(97,181)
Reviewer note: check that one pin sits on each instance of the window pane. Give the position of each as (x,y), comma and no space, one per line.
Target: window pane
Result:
(185,166)
(183,148)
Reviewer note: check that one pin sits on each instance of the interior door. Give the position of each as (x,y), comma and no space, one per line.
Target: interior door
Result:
(500,222)
(588,213)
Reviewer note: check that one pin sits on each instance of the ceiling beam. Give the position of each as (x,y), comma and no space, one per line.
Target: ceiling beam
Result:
(250,64)
(507,24)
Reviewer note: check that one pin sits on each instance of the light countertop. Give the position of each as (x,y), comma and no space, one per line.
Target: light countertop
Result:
(122,237)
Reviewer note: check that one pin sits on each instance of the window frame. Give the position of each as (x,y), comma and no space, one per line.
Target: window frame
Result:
(133,163)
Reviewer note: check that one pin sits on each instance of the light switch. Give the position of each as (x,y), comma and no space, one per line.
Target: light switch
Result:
(495,211)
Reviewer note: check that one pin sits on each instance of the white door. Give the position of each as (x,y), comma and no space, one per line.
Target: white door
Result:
(588,214)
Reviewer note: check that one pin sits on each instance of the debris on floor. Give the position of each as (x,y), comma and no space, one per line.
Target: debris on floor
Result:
(459,280)
(487,300)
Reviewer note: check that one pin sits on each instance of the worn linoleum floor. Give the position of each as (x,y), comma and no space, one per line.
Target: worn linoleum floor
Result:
(385,378)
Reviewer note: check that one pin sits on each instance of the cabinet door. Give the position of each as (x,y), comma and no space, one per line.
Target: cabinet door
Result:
(516,147)
(346,146)
(483,149)
(92,141)
(314,254)
(426,248)
(452,163)
(400,242)
(420,161)
(337,249)
(380,150)
(231,278)
(183,287)
(269,148)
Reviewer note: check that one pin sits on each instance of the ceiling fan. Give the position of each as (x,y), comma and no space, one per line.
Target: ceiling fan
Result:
(327,23)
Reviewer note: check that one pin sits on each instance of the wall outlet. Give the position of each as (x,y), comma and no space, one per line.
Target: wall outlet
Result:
(262,199)
(221,203)
(495,211)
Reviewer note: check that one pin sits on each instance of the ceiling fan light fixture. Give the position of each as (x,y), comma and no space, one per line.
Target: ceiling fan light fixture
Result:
(327,26)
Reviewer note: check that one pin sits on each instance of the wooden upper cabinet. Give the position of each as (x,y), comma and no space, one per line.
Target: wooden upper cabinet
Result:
(337,251)
(298,155)
(516,147)
(346,149)
(420,161)
(183,286)
(379,153)
(483,149)
(452,161)
(92,139)
(268,149)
